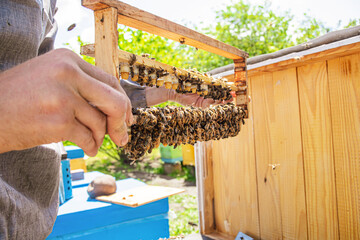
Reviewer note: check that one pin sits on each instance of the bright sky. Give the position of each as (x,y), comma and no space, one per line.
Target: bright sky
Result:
(195,12)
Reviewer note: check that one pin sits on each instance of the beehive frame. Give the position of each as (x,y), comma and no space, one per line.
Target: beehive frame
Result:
(108,56)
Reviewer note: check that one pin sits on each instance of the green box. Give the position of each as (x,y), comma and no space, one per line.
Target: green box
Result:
(169,154)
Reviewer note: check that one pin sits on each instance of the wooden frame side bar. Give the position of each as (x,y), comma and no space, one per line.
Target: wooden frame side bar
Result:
(106,40)
(142,20)
(240,79)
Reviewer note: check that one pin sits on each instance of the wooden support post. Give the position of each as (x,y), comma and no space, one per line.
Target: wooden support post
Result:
(106,40)
(240,79)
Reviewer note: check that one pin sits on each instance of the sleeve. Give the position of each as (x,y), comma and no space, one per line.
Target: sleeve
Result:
(51,27)
(135,92)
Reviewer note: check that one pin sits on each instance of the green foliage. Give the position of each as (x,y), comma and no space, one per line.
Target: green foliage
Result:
(168,103)
(68,143)
(187,173)
(352,23)
(310,28)
(254,28)
(107,165)
(257,29)
(139,42)
(110,149)
(183,216)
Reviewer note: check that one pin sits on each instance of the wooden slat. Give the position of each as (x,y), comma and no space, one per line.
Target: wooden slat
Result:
(139,19)
(205,183)
(302,59)
(89,50)
(235,186)
(318,151)
(279,156)
(106,41)
(344,85)
(219,236)
(140,196)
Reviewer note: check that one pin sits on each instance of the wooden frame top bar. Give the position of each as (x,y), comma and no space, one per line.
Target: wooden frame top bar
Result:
(89,50)
(142,20)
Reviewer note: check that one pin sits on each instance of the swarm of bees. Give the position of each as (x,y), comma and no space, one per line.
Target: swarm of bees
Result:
(181,125)
(184,82)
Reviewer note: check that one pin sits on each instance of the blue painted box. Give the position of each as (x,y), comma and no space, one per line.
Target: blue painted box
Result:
(66,176)
(84,218)
(74,152)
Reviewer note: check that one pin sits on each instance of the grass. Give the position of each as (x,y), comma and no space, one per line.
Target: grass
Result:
(183,215)
(106,165)
(187,173)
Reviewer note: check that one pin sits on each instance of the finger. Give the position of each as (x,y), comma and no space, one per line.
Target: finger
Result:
(100,75)
(83,137)
(92,118)
(108,79)
(118,135)
(111,102)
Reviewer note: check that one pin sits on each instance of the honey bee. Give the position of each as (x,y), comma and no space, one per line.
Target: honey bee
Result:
(174,126)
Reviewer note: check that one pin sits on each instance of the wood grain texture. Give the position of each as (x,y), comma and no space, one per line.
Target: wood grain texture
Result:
(344,86)
(126,57)
(219,236)
(205,184)
(106,41)
(235,186)
(139,196)
(279,155)
(318,151)
(142,20)
(301,60)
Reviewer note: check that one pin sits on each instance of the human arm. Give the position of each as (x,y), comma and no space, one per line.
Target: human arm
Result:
(141,96)
(58,96)
(158,95)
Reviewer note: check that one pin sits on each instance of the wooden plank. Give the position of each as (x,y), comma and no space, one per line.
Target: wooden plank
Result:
(302,58)
(318,151)
(89,50)
(142,20)
(344,85)
(205,184)
(140,196)
(235,186)
(306,58)
(279,156)
(219,236)
(106,41)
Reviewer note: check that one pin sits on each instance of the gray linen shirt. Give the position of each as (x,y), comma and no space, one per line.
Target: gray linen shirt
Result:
(29,179)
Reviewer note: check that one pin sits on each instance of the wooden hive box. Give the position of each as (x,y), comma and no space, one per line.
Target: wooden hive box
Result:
(293,172)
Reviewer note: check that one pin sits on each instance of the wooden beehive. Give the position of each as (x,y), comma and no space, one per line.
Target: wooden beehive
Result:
(293,172)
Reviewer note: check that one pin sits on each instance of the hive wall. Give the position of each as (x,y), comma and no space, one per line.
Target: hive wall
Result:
(293,172)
